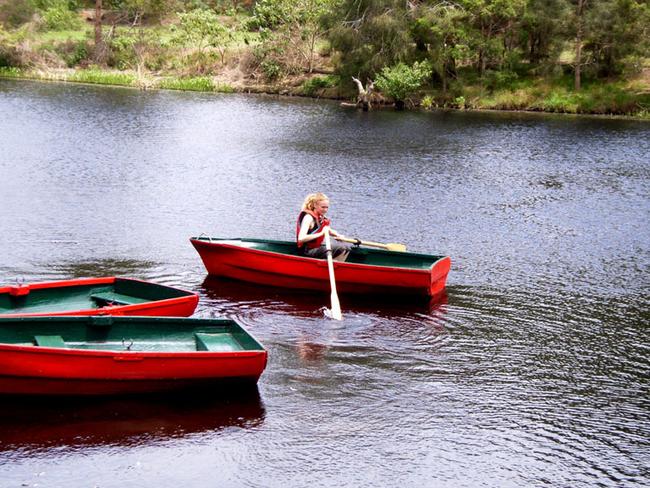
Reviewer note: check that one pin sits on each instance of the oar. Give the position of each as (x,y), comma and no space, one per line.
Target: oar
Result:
(390,246)
(336,306)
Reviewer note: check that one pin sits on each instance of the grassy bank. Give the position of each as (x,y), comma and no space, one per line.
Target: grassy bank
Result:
(630,98)
(118,78)
(154,57)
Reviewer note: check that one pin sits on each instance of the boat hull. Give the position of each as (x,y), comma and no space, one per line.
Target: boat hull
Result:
(297,272)
(53,295)
(116,355)
(52,373)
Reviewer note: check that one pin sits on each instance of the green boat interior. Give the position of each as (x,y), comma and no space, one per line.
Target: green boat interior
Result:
(83,297)
(143,334)
(359,255)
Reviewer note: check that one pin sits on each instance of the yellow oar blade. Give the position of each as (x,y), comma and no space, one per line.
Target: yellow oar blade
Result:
(396,247)
(390,247)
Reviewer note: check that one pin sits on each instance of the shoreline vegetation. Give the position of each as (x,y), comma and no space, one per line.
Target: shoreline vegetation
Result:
(436,59)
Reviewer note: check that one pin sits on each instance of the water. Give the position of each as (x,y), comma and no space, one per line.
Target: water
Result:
(532,371)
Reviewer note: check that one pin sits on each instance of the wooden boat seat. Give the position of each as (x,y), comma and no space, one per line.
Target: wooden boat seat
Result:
(216,342)
(50,341)
(111,298)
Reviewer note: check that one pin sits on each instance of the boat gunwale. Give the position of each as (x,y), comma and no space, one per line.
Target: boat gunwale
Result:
(199,325)
(109,310)
(42,285)
(104,280)
(113,353)
(317,262)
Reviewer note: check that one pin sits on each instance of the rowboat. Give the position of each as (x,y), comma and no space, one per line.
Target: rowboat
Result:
(92,296)
(366,271)
(107,355)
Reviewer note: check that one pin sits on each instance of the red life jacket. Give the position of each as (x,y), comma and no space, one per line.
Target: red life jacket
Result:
(320,223)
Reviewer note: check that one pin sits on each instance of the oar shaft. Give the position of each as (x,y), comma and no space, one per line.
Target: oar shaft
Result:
(336,305)
(389,247)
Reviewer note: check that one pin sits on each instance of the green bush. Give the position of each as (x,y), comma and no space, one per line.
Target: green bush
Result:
(74,52)
(401,81)
(427,102)
(121,51)
(310,86)
(58,16)
(272,69)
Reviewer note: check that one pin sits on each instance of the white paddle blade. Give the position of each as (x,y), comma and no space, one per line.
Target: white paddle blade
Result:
(336,308)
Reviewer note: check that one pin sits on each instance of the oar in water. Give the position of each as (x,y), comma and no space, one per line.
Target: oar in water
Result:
(336,306)
(390,246)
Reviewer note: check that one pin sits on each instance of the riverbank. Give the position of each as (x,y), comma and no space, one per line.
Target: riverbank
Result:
(629,99)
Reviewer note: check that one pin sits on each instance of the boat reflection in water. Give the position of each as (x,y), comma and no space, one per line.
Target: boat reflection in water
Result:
(285,316)
(29,424)
(233,296)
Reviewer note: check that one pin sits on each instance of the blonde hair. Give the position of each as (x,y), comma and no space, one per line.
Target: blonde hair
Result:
(312,199)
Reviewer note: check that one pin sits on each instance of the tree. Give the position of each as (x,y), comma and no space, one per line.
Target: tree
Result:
(293,25)
(618,31)
(369,35)
(100,46)
(438,29)
(493,24)
(202,29)
(581,7)
(541,30)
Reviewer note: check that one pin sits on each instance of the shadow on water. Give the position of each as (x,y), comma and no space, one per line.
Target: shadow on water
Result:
(32,423)
(62,269)
(102,267)
(224,292)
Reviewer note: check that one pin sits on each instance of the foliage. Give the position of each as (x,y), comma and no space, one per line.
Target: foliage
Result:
(10,72)
(15,13)
(9,56)
(369,35)
(201,84)
(98,76)
(312,85)
(512,54)
(438,31)
(427,103)
(541,30)
(137,48)
(136,10)
(74,52)
(201,28)
(272,69)
(618,34)
(293,28)
(401,81)
(58,16)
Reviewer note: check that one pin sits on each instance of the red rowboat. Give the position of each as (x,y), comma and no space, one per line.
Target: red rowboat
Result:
(92,296)
(369,271)
(106,355)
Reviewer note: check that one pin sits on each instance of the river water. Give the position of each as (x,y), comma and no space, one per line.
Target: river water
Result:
(532,371)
